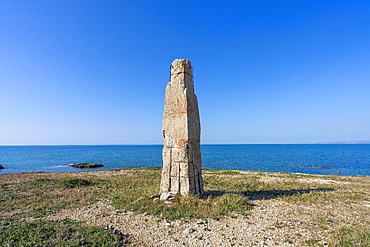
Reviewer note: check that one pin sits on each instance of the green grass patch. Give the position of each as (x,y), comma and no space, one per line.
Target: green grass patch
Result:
(136,193)
(37,213)
(67,183)
(356,237)
(39,197)
(57,233)
(75,183)
(189,206)
(229,172)
(289,241)
(311,242)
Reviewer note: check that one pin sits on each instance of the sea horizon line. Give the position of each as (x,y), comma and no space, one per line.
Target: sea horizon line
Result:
(159,144)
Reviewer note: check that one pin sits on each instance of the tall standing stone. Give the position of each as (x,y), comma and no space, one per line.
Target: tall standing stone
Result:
(182,162)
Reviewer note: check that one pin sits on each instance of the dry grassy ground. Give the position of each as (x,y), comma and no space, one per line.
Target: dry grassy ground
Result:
(240,208)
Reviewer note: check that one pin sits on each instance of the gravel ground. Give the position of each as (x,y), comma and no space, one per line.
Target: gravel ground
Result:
(271,223)
(302,220)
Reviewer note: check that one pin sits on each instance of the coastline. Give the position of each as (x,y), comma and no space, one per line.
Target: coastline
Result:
(310,159)
(284,209)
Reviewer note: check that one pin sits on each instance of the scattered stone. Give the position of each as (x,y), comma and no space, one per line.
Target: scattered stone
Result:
(167,195)
(168,203)
(201,222)
(182,163)
(85,165)
(189,230)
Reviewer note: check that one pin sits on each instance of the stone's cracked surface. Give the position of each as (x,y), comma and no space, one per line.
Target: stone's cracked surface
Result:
(182,163)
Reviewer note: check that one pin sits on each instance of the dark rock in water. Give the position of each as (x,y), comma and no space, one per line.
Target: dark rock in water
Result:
(85,165)
(1,166)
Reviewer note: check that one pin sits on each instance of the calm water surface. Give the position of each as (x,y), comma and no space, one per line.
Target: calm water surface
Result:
(311,159)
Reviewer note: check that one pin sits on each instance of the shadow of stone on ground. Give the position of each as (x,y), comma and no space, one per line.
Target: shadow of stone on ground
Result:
(265,194)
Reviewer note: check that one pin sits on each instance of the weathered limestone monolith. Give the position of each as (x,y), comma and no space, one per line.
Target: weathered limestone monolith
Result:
(182,162)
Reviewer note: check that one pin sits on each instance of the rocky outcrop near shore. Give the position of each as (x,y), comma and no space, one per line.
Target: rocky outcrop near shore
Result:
(85,165)
(1,167)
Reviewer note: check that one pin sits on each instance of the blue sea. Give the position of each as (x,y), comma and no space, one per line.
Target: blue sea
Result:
(325,159)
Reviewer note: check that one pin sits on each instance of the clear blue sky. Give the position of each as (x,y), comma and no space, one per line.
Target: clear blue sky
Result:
(94,72)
